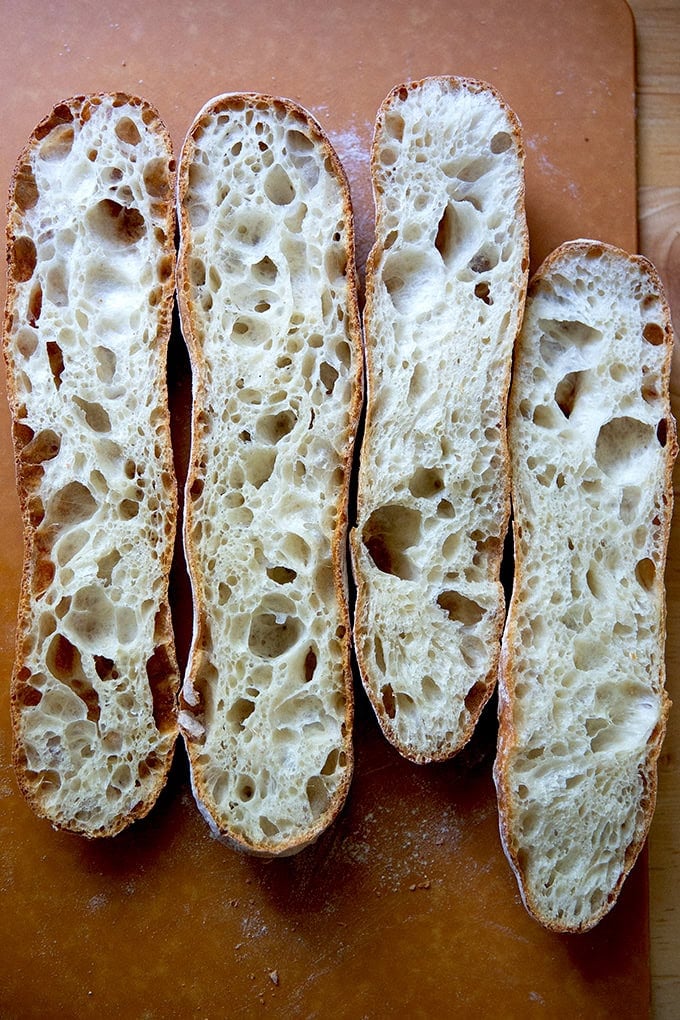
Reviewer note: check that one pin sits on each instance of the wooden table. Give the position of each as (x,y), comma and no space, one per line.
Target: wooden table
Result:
(658,35)
(658,25)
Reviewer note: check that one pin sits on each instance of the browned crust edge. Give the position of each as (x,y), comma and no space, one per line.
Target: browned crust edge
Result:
(77,107)
(507,739)
(213,107)
(414,754)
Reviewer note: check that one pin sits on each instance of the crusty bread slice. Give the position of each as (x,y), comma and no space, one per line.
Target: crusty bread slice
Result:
(582,701)
(445,285)
(90,291)
(267,293)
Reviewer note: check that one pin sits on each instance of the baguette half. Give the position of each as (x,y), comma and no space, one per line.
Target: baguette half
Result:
(268,302)
(581,697)
(445,285)
(90,242)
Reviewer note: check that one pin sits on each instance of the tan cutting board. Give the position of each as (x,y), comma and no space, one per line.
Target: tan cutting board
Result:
(406,907)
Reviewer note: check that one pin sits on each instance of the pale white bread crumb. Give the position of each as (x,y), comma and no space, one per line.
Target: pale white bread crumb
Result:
(267,292)
(90,290)
(445,287)
(581,697)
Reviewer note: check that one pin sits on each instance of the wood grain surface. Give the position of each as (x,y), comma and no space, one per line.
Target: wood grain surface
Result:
(123,895)
(658,95)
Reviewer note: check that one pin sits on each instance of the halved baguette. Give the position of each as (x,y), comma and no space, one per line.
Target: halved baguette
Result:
(90,244)
(582,701)
(445,285)
(267,294)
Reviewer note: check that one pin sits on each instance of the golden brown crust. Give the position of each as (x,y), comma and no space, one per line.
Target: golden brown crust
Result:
(57,129)
(486,684)
(508,741)
(283,109)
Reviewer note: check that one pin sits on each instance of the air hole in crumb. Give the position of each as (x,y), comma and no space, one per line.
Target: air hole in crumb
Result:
(544,416)
(298,143)
(273,427)
(116,224)
(265,270)
(25,188)
(162,677)
(595,581)
(393,125)
(128,509)
(271,635)
(410,278)
(389,703)
(426,482)
(484,260)
(55,357)
(621,447)
(567,391)
(45,445)
(482,292)
(500,142)
(24,258)
(630,500)
(72,504)
(446,236)
(560,335)
(662,432)
(317,795)
(196,489)
(379,653)
(165,268)
(28,696)
(197,272)
(63,659)
(310,665)
(245,788)
(654,334)
(475,698)
(474,170)
(241,709)
(34,309)
(268,827)
(26,342)
(336,759)
(419,386)
(64,663)
(387,534)
(95,415)
(105,668)
(473,652)
(106,364)
(645,573)
(127,131)
(328,376)
(156,177)
(106,565)
(431,690)
(58,143)
(459,608)
(278,187)
(259,466)
(281,575)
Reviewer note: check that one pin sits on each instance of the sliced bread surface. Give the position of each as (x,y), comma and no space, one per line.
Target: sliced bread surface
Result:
(445,285)
(268,302)
(582,704)
(90,243)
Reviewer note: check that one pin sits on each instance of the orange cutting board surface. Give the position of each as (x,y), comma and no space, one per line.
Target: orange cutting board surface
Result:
(406,906)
